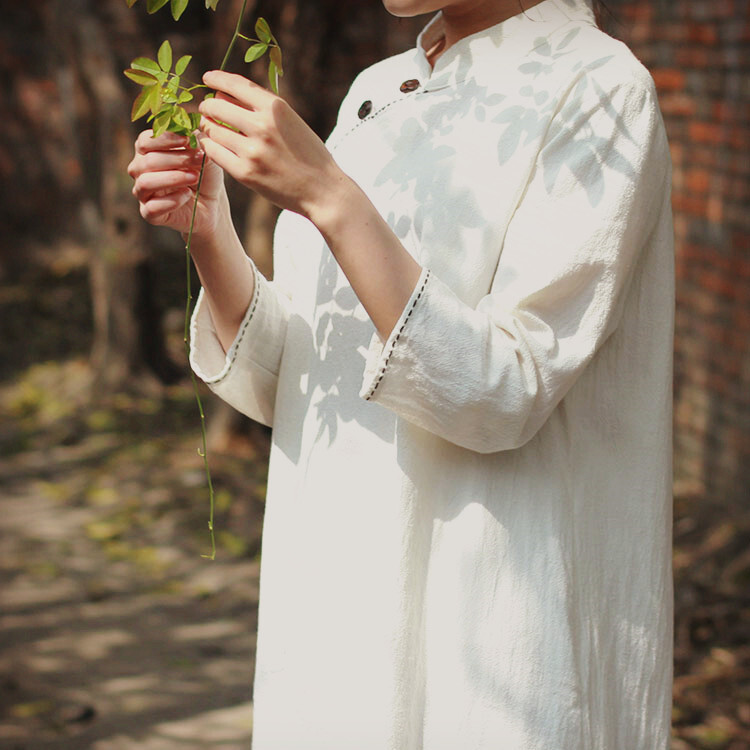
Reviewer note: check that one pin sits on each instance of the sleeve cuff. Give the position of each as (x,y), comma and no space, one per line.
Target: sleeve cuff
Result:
(379,354)
(207,357)
(246,377)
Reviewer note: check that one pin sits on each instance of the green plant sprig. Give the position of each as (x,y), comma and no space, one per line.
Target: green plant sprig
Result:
(161,98)
(177,6)
(162,95)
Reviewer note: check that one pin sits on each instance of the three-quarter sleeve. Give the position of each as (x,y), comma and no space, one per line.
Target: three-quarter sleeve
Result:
(486,377)
(246,375)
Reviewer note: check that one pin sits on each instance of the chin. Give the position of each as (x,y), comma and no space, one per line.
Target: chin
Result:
(409,8)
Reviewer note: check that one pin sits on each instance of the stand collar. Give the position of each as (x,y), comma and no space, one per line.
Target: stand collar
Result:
(469,57)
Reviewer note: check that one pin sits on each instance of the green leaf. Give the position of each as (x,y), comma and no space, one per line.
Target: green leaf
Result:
(155,100)
(212,4)
(263,30)
(153,5)
(181,65)
(141,77)
(195,120)
(182,118)
(254,52)
(273,77)
(275,56)
(141,105)
(165,56)
(131,3)
(193,141)
(178,8)
(174,128)
(185,96)
(145,63)
(161,122)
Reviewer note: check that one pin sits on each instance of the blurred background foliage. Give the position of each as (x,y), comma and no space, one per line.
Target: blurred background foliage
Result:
(114,633)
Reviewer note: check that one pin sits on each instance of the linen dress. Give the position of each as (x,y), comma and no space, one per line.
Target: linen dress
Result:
(467,533)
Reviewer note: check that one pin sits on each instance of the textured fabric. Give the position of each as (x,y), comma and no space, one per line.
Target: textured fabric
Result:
(467,532)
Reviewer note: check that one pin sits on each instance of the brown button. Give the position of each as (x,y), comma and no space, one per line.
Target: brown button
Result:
(411,85)
(365,109)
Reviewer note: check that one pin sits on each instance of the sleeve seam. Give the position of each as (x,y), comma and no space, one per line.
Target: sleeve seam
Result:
(383,368)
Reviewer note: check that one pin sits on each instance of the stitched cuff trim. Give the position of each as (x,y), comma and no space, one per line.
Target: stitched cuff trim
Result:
(395,335)
(231,355)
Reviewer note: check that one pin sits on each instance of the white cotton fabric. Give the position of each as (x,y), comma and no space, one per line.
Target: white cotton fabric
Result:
(467,532)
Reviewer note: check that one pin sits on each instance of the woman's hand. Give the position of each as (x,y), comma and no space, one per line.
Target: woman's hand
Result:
(165,170)
(267,146)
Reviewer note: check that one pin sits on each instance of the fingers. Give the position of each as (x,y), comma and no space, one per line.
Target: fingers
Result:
(238,143)
(227,159)
(246,92)
(227,110)
(167,140)
(150,183)
(158,161)
(160,207)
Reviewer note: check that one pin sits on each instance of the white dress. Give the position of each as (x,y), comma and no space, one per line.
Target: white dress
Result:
(467,532)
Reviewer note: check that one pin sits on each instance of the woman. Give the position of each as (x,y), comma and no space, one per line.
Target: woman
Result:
(465,355)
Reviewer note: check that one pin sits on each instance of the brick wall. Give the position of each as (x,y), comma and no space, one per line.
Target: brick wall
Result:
(699,54)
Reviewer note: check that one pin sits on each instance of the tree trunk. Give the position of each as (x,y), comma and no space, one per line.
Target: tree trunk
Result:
(126,323)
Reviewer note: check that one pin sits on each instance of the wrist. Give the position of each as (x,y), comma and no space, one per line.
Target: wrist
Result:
(208,232)
(335,204)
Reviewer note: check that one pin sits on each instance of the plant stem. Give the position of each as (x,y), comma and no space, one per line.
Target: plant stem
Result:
(256,41)
(188,304)
(234,36)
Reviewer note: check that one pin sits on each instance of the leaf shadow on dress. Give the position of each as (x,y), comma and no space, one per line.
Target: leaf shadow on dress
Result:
(521,125)
(412,190)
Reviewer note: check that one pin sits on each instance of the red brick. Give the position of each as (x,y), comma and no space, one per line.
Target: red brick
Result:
(745,36)
(715,209)
(735,189)
(723,110)
(702,33)
(694,57)
(724,286)
(706,132)
(703,257)
(690,204)
(677,104)
(739,137)
(668,79)
(700,154)
(740,164)
(670,32)
(722,9)
(636,12)
(738,216)
(697,180)
(741,241)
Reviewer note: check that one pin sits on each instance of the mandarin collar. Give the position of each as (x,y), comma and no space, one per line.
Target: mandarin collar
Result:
(478,55)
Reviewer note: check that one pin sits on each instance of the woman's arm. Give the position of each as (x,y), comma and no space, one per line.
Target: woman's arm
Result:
(165,170)
(485,377)
(276,154)
(227,278)
(237,307)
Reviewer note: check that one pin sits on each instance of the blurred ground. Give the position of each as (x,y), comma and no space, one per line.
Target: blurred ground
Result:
(116,634)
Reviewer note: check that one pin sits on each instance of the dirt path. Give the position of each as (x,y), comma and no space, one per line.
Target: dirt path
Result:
(114,632)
